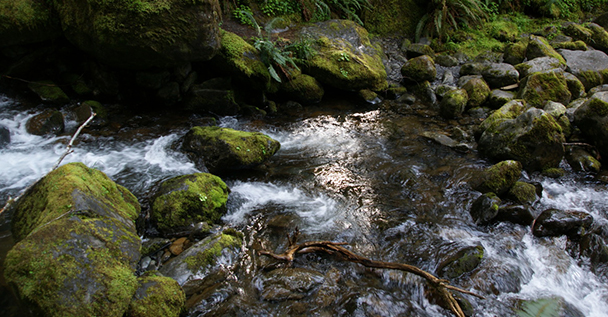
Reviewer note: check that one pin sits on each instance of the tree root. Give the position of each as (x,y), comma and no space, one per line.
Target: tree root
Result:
(336,248)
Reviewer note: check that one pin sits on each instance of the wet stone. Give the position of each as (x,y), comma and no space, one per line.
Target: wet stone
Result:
(485,208)
(49,121)
(519,214)
(554,222)
(5,136)
(289,283)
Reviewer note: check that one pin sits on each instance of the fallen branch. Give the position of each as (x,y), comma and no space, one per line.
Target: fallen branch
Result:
(336,248)
(68,150)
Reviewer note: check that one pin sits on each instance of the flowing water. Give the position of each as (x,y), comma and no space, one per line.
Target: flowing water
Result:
(346,174)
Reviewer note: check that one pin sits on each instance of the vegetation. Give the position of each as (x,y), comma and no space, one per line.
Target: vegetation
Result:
(445,15)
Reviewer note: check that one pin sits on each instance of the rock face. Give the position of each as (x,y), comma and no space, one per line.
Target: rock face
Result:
(185,200)
(592,118)
(78,247)
(223,149)
(138,35)
(345,59)
(534,138)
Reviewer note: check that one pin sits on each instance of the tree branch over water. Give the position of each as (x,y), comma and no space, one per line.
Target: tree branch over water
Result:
(336,248)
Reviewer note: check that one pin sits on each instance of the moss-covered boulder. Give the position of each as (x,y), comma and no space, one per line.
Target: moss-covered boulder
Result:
(522,193)
(47,122)
(156,295)
(508,111)
(587,66)
(27,21)
(539,64)
(419,69)
(534,138)
(49,91)
(346,59)
(138,34)
(599,37)
(460,260)
(478,92)
(540,87)
(205,261)
(222,149)
(183,201)
(538,46)
(575,85)
(303,88)
(68,190)
(78,247)
(515,53)
(453,103)
(499,75)
(582,161)
(592,119)
(498,98)
(499,178)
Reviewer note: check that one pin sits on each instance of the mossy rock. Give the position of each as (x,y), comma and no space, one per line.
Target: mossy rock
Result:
(185,200)
(346,59)
(540,87)
(304,89)
(463,261)
(27,21)
(599,39)
(587,66)
(592,119)
(555,223)
(419,69)
(515,53)
(485,208)
(500,177)
(582,161)
(223,149)
(393,16)
(575,86)
(47,122)
(157,295)
(478,91)
(538,46)
(201,260)
(138,34)
(453,103)
(68,190)
(508,111)
(80,265)
(49,91)
(547,306)
(523,193)
(499,98)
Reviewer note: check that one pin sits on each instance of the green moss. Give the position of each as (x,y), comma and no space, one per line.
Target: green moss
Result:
(464,261)
(571,45)
(27,21)
(188,199)
(227,239)
(392,16)
(500,177)
(49,91)
(478,92)
(510,110)
(590,78)
(523,193)
(554,172)
(53,196)
(540,87)
(597,107)
(97,107)
(157,295)
(304,88)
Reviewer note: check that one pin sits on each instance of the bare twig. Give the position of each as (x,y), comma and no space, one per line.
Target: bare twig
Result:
(68,150)
(336,248)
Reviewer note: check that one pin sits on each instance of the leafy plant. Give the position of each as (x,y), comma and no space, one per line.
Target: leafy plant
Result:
(321,10)
(301,49)
(279,7)
(241,15)
(444,16)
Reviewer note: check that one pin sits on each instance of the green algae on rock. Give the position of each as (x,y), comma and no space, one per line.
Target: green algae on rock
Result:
(188,199)
(67,190)
(222,149)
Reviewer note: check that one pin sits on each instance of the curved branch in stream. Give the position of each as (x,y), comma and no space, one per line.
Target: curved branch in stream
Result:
(336,248)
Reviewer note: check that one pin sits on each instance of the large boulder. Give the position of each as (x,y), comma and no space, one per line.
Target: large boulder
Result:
(540,87)
(592,119)
(345,59)
(142,34)
(78,247)
(222,149)
(534,138)
(590,67)
(157,295)
(27,21)
(303,88)
(183,201)
(538,46)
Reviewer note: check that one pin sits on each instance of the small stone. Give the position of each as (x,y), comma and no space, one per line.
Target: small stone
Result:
(179,246)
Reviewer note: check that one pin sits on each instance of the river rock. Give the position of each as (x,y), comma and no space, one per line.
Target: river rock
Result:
(539,64)
(556,306)
(446,141)
(183,201)
(419,69)
(499,75)
(156,295)
(575,85)
(522,193)
(77,245)
(592,119)
(582,161)
(499,178)
(289,284)
(223,149)
(413,50)
(453,103)
(538,46)
(533,138)
(137,35)
(5,136)
(478,92)
(587,66)
(458,260)
(27,21)
(204,263)
(495,277)
(554,222)
(214,96)
(498,98)
(540,87)
(303,88)
(599,37)
(594,247)
(520,214)
(345,59)
(49,91)
(485,208)
(47,122)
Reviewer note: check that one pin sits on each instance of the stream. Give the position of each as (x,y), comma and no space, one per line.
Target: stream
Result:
(344,173)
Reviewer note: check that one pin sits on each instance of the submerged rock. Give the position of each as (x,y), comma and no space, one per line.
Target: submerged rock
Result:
(554,222)
(223,149)
(460,260)
(289,283)
(183,201)
(553,306)
(5,136)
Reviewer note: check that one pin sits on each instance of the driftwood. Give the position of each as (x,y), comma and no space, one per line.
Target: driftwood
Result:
(336,248)
(68,150)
